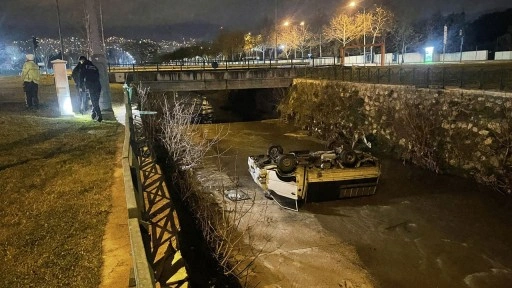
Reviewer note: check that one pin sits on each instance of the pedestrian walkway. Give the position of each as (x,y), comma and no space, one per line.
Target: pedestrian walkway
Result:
(116,241)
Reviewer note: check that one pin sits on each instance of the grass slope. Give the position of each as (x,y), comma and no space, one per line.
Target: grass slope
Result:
(55,188)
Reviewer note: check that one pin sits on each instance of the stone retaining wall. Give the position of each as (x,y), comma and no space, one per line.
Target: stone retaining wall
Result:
(464,131)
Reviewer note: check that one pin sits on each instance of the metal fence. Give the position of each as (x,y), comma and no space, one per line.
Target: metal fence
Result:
(485,77)
(152,218)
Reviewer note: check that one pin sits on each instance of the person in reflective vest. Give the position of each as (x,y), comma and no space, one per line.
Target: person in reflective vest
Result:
(30,75)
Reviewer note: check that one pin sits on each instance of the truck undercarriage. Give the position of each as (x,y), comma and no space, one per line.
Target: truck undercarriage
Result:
(298,177)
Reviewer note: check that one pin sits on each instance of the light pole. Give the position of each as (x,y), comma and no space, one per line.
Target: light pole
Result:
(60,35)
(303,38)
(320,48)
(353,4)
(291,30)
(275,30)
(461,34)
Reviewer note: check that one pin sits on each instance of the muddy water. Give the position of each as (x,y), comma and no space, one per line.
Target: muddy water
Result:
(419,230)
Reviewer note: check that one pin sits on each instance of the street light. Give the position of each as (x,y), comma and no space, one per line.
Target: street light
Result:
(303,38)
(60,35)
(353,4)
(275,30)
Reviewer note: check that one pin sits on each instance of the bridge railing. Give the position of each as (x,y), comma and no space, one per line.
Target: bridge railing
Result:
(207,65)
(467,76)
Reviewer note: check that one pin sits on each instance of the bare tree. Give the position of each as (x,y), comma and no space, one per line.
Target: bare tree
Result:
(254,43)
(288,39)
(306,38)
(230,44)
(381,23)
(404,36)
(227,226)
(343,28)
(181,136)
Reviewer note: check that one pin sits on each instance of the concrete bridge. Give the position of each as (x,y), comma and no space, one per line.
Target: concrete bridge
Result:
(211,79)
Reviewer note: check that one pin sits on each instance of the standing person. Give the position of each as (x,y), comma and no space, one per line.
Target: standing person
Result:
(30,75)
(90,80)
(82,102)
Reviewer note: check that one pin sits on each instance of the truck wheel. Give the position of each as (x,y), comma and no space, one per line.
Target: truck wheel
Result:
(348,158)
(286,163)
(274,151)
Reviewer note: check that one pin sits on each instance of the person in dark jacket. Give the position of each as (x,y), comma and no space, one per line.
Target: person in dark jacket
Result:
(90,79)
(81,103)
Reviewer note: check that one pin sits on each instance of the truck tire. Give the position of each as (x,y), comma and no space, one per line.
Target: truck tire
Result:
(274,151)
(348,158)
(286,163)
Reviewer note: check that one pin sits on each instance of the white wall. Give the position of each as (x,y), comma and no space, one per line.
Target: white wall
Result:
(503,55)
(480,55)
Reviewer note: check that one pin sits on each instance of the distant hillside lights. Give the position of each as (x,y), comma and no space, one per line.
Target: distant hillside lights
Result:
(48,49)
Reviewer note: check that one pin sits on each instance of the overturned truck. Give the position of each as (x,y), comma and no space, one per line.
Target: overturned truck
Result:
(298,177)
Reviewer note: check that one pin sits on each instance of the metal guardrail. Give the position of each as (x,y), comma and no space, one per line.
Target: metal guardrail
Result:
(152,218)
(142,273)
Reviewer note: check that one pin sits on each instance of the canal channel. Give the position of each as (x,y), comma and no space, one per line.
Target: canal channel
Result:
(419,230)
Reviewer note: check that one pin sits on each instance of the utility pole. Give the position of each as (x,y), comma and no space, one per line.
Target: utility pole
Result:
(445,39)
(275,30)
(35,44)
(320,48)
(60,34)
(461,34)
(96,43)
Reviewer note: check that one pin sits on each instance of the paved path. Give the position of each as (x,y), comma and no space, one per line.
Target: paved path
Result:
(116,241)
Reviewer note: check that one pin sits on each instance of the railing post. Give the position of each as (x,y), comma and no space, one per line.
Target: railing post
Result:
(502,76)
(428,77)
(480,76)
(461,77)
(444,77)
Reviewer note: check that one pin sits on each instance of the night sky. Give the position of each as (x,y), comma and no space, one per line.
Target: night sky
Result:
(163,19)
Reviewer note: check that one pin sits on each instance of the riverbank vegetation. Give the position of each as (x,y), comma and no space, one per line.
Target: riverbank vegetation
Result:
(213,202)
